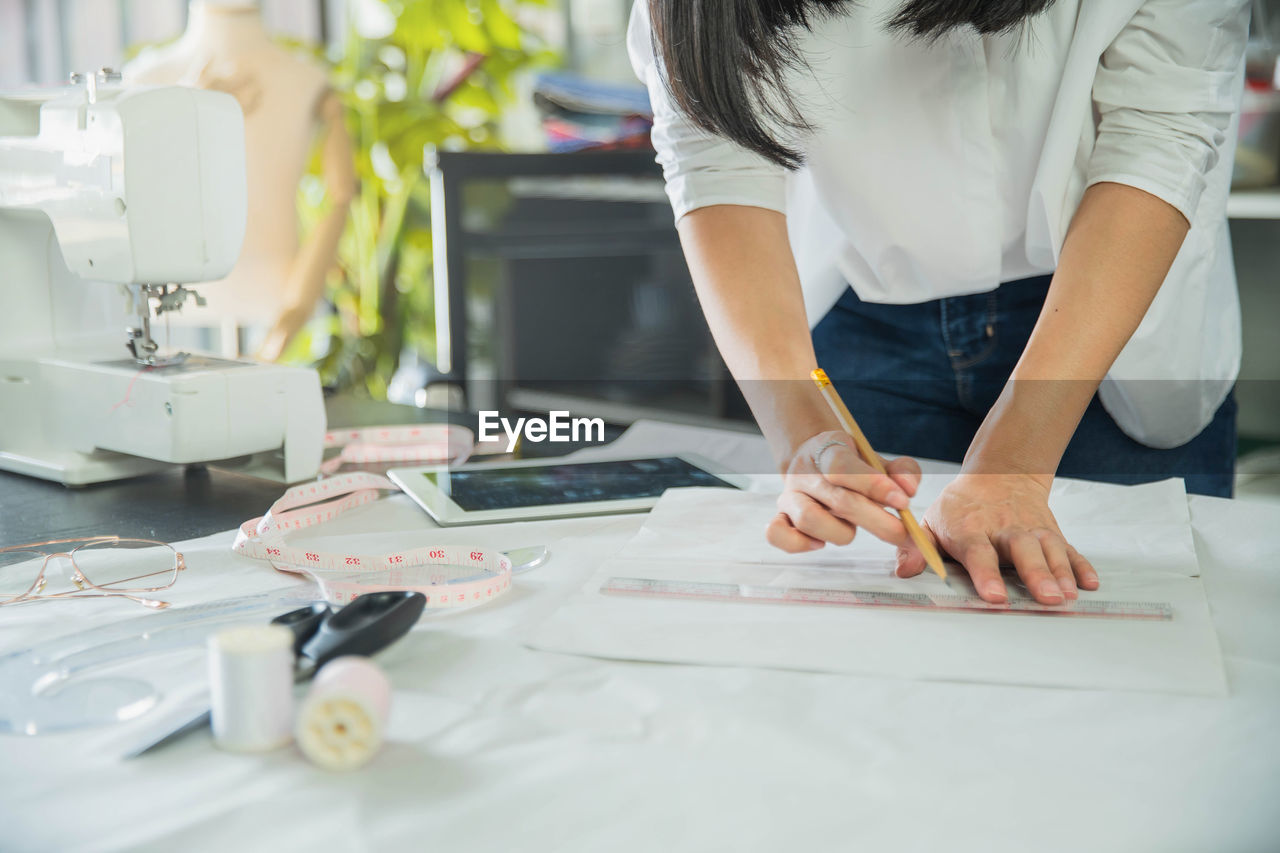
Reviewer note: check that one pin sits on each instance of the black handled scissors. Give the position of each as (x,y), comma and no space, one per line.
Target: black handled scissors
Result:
(368,624)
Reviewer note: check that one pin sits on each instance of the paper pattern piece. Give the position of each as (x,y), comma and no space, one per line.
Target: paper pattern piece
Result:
(1139,539)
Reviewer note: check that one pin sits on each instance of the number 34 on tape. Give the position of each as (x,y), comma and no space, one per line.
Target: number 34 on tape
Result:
(448,576)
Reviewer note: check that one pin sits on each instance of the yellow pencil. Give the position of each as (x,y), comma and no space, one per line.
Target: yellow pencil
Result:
(872,458)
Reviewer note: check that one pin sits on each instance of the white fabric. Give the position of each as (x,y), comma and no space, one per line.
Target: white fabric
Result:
(947,169)
(716,536)
(493,746)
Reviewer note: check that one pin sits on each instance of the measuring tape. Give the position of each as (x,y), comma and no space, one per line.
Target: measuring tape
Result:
(449,576)
(430,444)
(1090,608)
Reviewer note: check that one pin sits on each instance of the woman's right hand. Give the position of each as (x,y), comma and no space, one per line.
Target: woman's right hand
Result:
(829,491)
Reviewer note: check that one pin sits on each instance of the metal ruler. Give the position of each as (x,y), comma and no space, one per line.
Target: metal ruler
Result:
(943,603)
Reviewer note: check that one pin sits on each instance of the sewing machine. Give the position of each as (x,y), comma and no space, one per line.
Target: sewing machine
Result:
(111,200)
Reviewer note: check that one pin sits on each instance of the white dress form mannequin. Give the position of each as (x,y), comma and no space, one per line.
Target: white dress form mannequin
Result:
(286,100)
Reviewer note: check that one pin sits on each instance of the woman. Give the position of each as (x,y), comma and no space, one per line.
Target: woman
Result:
(1015,200)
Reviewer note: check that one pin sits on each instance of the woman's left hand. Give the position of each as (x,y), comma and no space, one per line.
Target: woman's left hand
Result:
(984,520)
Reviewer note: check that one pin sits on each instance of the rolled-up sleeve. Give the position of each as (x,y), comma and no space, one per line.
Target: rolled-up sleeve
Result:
(1165,92)
(701,169)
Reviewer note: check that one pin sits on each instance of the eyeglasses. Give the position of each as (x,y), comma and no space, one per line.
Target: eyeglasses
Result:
(92,567)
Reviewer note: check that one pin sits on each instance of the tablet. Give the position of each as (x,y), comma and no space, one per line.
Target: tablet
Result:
(551,488)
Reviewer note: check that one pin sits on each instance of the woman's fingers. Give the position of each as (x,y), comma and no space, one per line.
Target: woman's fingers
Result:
(910,562)
(904,471)
(981,561)
(1085,574)
(831,491)
(782,535)
(844,493)
(845,468)
(813,519)
(860,511)
(1055,554)
(1028,558)
(984,521)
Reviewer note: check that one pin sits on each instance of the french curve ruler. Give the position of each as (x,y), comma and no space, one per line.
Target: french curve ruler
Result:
(937,602)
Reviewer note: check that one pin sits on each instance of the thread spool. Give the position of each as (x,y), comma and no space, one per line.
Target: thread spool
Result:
(251,687)
(342,720)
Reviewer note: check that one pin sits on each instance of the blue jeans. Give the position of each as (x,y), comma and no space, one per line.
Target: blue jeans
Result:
(920,379)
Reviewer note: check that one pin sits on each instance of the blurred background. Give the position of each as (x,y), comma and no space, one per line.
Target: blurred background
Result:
(545,278)
(504,240)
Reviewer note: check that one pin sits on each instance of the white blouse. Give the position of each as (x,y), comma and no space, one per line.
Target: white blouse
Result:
(946,169)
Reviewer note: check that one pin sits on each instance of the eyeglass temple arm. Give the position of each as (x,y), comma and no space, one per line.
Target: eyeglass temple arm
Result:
(153,603)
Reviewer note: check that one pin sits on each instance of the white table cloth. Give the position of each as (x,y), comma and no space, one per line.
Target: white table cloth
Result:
(495,746)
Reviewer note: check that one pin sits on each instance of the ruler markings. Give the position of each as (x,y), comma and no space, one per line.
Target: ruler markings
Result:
(945,603)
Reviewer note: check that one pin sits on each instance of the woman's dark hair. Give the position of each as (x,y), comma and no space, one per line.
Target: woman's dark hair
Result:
(726,60)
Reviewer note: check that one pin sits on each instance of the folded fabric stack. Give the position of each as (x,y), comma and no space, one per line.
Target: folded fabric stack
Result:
(579,113)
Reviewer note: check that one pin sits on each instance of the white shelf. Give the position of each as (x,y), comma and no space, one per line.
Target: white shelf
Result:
(1254,204)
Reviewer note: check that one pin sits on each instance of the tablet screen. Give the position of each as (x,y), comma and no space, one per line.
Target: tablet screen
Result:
(581,482)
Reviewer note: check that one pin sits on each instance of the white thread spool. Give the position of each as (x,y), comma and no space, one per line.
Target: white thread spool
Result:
(345,713)
(251,687)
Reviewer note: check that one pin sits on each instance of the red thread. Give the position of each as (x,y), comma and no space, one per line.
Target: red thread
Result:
(124,401)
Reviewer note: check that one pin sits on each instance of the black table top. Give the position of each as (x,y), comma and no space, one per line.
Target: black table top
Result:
(183,502)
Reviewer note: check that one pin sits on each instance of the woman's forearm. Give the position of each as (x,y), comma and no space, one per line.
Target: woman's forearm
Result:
(1116,255)
(742,267)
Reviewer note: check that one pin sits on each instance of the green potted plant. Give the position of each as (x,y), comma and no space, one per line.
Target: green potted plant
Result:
(412,74)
